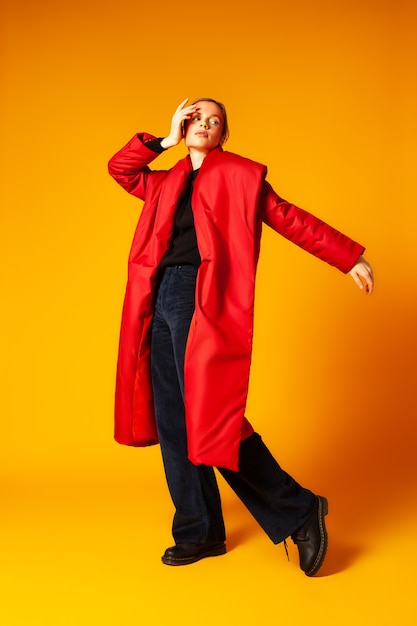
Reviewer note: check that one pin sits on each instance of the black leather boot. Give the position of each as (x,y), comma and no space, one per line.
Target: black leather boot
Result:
(311,539)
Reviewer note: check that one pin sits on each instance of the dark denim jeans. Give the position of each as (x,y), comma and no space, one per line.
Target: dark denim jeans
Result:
(278,503)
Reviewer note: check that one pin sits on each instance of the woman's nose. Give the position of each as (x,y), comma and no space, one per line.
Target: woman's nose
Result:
(203,123)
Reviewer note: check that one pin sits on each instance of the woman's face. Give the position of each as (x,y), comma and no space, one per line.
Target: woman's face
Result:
(204,131)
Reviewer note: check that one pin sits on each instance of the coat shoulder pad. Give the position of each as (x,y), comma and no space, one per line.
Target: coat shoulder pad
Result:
(230,158)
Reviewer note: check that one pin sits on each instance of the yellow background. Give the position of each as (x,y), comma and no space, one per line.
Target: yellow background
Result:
(322,92)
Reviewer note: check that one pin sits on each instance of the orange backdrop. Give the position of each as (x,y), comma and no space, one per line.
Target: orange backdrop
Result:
(324,93)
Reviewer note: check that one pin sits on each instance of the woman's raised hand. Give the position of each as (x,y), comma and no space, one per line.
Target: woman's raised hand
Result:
(181,114)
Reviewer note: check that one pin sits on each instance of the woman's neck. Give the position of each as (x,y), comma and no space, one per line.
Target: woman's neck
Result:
(197,157)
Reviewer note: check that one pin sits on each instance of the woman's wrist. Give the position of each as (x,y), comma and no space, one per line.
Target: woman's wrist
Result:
(167,143)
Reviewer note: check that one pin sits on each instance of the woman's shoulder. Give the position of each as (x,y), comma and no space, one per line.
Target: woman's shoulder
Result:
(237,161)
(233,156)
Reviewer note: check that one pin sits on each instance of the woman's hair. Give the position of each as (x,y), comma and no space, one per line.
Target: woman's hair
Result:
(225,134)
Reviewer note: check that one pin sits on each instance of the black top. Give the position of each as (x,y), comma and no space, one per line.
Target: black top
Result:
(183,249)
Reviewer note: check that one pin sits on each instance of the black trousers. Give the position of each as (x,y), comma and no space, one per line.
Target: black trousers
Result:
(278,503)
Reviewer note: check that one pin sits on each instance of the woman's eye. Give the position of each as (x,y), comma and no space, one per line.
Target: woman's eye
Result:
(195,118)
(214,122)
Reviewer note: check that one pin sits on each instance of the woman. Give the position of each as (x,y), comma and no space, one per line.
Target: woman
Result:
(186,334)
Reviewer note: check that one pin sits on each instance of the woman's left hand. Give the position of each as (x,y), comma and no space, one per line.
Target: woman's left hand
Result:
(363,275)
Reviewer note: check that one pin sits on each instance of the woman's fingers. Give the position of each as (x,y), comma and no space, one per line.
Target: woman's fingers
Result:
(182,112)
(180,107)
(363,275)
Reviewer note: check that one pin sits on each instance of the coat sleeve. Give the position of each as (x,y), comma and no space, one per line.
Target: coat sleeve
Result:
(308,231)
(129,166)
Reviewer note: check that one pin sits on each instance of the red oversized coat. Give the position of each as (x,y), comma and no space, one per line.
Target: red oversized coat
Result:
(231,199)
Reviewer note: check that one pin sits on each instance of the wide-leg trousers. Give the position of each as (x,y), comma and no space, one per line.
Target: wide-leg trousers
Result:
(278,503)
